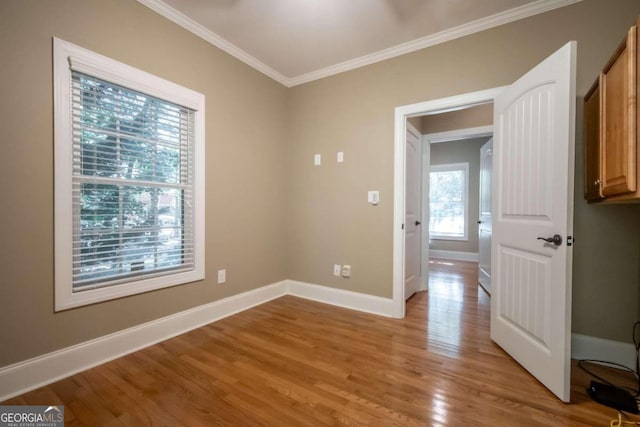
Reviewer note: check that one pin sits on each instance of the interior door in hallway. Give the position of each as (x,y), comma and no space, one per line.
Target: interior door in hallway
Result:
(412,224)
(484,217)
(534,125)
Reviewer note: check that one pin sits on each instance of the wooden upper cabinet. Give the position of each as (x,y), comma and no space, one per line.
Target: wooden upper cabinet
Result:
(618,133)
(592,183)
(610,123)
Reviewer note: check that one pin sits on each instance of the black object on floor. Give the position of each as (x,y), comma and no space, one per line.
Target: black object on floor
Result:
(613,397)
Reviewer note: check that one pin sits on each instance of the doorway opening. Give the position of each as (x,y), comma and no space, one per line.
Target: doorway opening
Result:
(456,172)
(402,114)
(534,185)
(443,191)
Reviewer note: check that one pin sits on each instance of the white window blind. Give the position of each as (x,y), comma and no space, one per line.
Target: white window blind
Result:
(448,194)
(129,179)
(132,184)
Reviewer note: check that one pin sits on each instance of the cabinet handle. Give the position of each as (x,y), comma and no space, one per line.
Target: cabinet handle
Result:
(596,182)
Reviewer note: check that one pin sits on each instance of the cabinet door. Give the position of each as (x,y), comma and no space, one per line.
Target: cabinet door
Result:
(592,187)
(618,132)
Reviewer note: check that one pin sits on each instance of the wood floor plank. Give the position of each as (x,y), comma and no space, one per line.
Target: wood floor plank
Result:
(302,363)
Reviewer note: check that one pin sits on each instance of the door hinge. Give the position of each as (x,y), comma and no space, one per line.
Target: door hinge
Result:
(403,226)
(570,240)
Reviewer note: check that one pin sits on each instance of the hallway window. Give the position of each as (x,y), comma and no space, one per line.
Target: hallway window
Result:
(448,195)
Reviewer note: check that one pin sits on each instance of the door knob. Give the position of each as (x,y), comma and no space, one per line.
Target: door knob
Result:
(480,222)
(418,223)
(556,239)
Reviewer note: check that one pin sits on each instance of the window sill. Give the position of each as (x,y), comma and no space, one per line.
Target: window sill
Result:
(66,298)
(452,238)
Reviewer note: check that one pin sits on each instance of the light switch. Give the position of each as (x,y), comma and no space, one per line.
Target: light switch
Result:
(337,269)
(373,197)
(317,159)
(340,156)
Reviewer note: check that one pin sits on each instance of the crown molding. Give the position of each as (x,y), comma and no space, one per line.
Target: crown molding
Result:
(460,31)
(512,15)
(189,24)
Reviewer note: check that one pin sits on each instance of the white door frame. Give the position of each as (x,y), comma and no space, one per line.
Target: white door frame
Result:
(441,105)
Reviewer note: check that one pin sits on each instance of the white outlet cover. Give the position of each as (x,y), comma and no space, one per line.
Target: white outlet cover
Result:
(317,159)
(346,271)
(340,157)
(222,276)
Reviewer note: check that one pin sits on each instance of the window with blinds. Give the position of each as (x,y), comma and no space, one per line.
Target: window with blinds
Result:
(132,184)
(129,179)
(448,200)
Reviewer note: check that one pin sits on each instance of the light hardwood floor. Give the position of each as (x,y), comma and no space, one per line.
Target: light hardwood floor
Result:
(294,362)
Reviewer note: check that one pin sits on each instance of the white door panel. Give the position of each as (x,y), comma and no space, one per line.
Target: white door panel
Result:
(412,224)
(424,248)
(484,218)
(532,198)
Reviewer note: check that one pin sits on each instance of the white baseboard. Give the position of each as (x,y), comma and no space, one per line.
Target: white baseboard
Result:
(39,371)
(586,347)
(341,298)
(454,255)
(42,370)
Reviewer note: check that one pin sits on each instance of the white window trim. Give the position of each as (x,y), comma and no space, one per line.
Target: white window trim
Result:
(65,57)
(452,167)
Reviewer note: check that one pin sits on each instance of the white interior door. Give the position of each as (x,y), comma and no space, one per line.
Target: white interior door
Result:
(412,223)
(424,255)
(534,124)
(484,217)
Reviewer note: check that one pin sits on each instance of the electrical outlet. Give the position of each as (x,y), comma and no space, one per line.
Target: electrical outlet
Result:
(346,271)
(222,276)
(336,269)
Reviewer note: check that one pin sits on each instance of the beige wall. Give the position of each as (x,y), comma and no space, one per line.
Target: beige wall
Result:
(480,115)
(464,151)
(245,167)
(270,214)
(329,220)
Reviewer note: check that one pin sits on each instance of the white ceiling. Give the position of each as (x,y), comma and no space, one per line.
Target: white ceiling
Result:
(296,41)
